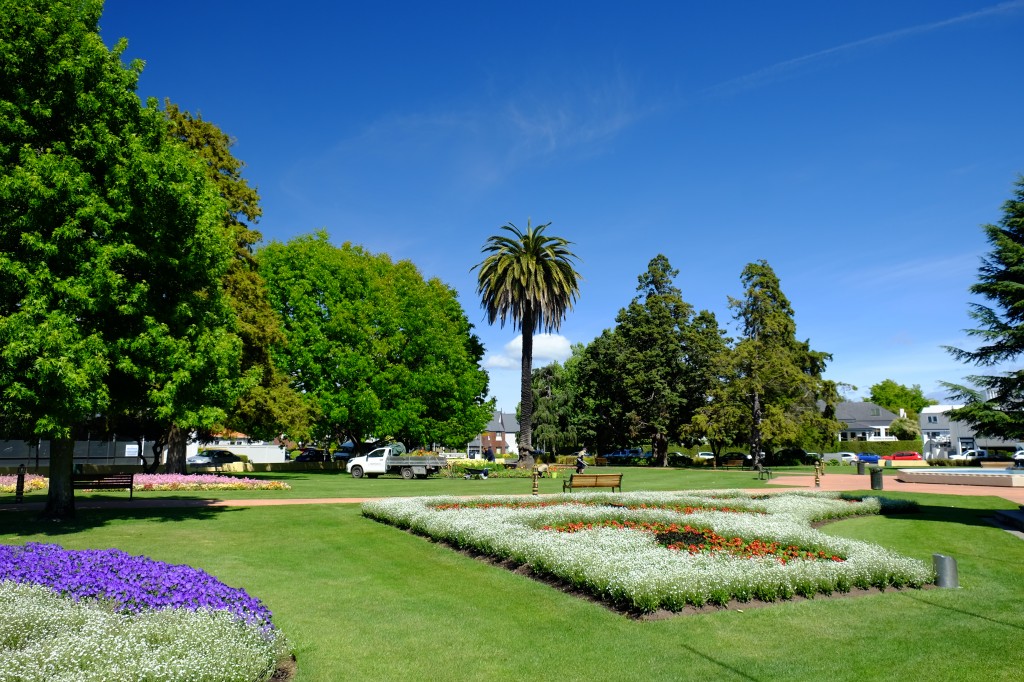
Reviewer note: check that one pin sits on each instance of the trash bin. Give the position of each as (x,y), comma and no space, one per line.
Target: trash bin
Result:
(876,479)
(861,468)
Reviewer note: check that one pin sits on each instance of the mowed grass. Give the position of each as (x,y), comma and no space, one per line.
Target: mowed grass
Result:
(364,601)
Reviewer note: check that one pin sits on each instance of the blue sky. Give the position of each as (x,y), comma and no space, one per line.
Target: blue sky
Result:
(856,146)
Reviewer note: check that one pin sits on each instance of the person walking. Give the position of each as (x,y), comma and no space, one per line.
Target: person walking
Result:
(581,463)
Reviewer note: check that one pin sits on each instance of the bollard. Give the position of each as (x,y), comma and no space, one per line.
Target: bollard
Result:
(817,479)
(536,485)
(945,570)
(19,489)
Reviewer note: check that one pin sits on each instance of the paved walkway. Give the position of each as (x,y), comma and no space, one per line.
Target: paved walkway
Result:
(830,481)
(840,482)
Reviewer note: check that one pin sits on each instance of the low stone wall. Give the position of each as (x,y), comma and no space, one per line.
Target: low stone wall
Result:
(954,477)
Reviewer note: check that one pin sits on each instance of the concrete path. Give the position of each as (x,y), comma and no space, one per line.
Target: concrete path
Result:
(830,481)
(841,482)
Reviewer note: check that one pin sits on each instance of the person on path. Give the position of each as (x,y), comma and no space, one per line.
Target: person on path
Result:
(581,463)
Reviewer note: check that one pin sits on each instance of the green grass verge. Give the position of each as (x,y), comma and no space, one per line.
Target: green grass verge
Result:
(363,601)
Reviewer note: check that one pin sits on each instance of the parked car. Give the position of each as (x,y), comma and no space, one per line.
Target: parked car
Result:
(1018,457)
(625,452)
(971,454)
(903,455)
(868,457)
(841,457)
(704,455)
(312,455)
(343,455)
(213,458)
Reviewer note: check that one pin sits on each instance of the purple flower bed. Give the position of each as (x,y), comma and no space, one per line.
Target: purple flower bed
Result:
(130,583)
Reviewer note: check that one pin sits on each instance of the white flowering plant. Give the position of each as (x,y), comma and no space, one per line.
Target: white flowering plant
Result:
(646,551)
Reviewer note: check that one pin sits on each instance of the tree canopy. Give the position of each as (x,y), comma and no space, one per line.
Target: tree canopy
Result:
(374,349)
(528,279)
(111,254)
(777,377)
(268,406)
(994,403)
(893,396)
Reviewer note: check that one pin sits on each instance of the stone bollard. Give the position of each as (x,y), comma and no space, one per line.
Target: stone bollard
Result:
(945,570)
(536,479)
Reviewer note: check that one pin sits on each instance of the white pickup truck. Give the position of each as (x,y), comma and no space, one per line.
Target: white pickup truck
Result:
(385,461)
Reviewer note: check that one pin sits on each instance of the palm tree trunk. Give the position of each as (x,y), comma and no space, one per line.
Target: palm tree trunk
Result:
(526,395)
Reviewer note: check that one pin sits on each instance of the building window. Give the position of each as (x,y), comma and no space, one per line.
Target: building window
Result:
(932,419)
(875,412)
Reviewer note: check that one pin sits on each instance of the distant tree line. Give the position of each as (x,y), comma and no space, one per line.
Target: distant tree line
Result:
(669,374)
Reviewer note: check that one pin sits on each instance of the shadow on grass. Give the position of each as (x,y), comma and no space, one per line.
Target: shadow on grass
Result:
(919,598)
(28,522)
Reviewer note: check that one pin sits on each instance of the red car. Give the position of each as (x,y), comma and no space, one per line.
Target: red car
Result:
(905,454)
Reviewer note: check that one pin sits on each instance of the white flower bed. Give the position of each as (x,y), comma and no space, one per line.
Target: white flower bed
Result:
(48,637)
(632,570)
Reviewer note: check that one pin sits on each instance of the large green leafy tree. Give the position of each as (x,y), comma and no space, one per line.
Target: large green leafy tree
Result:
(664,368)
(893,396)
(269,406)
(528,279)
(774,376)
(374,349)
(994,403)
(111,254)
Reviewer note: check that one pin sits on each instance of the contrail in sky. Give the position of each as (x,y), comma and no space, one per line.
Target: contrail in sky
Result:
(769,73)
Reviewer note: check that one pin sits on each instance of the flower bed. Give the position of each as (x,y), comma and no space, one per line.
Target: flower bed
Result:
(87,613)
(204,482)
(614,551)
(9,483)
(164,482)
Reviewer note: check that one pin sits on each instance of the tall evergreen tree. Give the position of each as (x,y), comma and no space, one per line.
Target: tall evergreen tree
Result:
(994,403)
(776,377)
(269,406)
(528,279)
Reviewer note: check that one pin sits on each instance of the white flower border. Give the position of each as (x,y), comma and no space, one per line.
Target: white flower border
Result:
(632,571)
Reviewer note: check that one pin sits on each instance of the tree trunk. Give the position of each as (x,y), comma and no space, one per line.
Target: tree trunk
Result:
(176,451)
(755,432)
(526,460)
(60,500)
(659,450)
(158,449)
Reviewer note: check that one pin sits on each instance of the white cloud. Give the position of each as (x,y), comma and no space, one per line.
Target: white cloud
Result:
(547,348)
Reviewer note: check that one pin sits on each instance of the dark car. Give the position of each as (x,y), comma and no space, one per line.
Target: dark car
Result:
(312,455)
(213,458)
(343,455)
(626,452)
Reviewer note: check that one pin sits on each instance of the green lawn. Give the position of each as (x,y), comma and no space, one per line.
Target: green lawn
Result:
(364,601)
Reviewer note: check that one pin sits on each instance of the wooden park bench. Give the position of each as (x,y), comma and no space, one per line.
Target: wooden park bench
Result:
(612,481)
(104,482)
(734,464)
(476,473)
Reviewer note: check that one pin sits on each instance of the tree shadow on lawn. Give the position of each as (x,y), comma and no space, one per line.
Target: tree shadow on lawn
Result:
(28,522)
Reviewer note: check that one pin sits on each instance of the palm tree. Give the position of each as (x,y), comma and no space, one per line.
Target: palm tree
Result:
(528,279)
